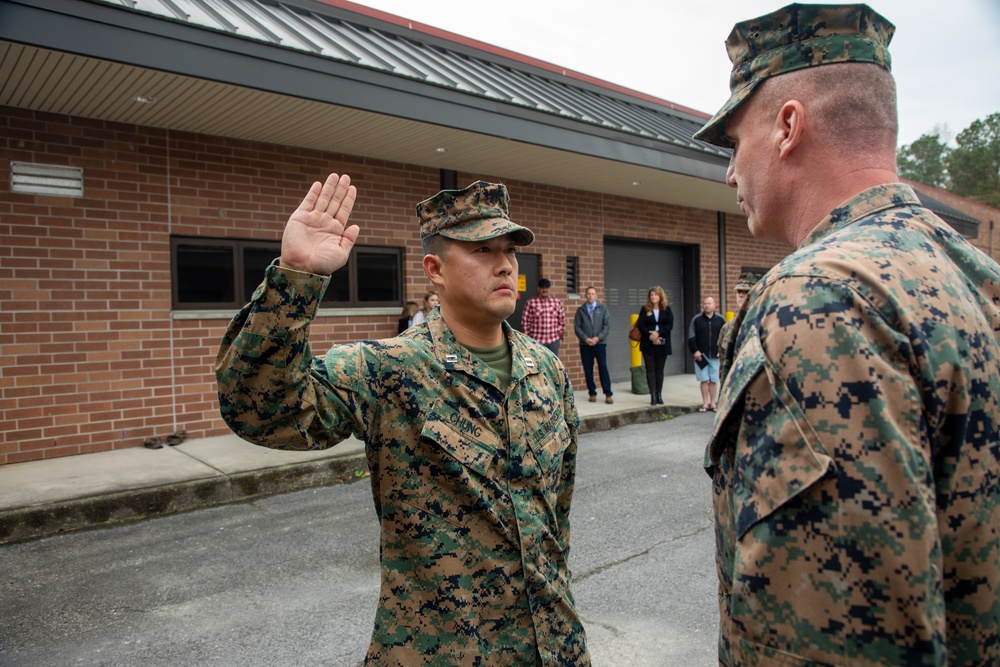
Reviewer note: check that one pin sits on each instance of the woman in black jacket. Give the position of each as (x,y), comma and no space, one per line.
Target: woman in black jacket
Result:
(656,320)
(406,317)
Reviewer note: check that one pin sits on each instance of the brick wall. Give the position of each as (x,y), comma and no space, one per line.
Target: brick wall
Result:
(91,358)
(742,249)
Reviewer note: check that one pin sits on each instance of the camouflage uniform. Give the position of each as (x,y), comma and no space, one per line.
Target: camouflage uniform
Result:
(472,484)
(727,336)
(856,457)
(726,340)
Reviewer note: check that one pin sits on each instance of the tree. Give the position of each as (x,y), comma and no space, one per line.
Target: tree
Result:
(923,161)
(974,165)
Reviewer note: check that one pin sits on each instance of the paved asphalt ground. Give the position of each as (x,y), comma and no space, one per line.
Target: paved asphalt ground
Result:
(292,580)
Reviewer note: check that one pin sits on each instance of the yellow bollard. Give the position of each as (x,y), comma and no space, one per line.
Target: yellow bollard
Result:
(636,359)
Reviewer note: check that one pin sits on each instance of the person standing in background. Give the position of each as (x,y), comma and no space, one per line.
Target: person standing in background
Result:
(703,342)
(406,317)
(592,324)
(656,321)
(727,337)
(431,300)
(544,317)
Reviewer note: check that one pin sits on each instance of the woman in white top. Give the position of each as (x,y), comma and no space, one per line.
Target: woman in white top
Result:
(430,302)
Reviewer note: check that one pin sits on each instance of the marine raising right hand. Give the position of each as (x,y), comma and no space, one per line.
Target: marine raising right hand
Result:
(316,238)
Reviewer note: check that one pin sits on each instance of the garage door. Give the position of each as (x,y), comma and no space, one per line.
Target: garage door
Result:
(630,269)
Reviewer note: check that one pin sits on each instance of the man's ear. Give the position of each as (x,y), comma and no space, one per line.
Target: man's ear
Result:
(789,126)
(432,269)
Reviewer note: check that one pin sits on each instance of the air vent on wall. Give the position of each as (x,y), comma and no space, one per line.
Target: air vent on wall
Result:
(572,269)
(27,178)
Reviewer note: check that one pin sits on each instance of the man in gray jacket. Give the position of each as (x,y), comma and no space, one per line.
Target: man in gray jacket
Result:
(592,324)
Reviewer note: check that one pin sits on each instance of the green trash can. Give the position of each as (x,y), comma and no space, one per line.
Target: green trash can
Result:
(639,384)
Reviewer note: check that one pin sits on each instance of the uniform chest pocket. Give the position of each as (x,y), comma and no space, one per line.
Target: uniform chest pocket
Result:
(466,439)
(450,473)
(776,452)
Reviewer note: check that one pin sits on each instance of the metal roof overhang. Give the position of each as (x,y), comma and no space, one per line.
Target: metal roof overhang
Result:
(964,224)
(91,59)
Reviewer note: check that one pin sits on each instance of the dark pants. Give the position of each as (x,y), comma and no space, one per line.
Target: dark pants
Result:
(599,352)
(654,362)
(554,346)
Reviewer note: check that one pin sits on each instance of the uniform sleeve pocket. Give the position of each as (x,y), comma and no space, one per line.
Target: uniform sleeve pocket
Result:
(545,430)
(549,443)
(776,454)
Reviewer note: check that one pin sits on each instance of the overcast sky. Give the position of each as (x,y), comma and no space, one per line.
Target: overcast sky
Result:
(946,53)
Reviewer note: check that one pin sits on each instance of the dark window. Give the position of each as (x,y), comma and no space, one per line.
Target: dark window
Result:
(223,273)
(449,179)
(373,277)
(255,260)
(204,274)
(217,273)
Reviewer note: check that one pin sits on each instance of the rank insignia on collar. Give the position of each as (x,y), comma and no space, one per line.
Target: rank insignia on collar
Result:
(451,358)
(529,362)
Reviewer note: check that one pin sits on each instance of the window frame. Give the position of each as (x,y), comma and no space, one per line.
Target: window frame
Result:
(352,270)
(237,246)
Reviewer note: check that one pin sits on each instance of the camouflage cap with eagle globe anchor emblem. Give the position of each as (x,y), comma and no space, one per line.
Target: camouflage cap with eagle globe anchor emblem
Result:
(475,213)
(794,38)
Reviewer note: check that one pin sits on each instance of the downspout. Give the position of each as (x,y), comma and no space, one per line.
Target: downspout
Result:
(723,292)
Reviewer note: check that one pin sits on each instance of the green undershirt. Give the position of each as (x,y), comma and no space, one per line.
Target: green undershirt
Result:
(498,358)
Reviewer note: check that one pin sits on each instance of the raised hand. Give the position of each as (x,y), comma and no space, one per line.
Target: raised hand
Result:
(317,238)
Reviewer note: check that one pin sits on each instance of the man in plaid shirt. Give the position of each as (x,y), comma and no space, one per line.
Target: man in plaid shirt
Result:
(544,317)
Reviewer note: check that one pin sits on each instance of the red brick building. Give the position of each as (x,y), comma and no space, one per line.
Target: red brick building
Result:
(986,219)
(150,159)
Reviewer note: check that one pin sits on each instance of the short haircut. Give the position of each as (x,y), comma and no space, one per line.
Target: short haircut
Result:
(435,245)
(545,282)
(853,104)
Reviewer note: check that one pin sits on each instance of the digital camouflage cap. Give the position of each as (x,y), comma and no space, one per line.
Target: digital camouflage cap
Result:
(746,280)
(793,38)
(477,213)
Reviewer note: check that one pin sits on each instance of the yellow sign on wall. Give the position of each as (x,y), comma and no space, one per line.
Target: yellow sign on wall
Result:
(522,284)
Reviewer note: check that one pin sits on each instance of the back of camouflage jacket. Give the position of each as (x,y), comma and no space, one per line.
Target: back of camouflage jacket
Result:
(472,485)
(856,456)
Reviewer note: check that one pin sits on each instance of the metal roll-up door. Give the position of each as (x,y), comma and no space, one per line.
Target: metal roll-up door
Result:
(630,269)
(528,278)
